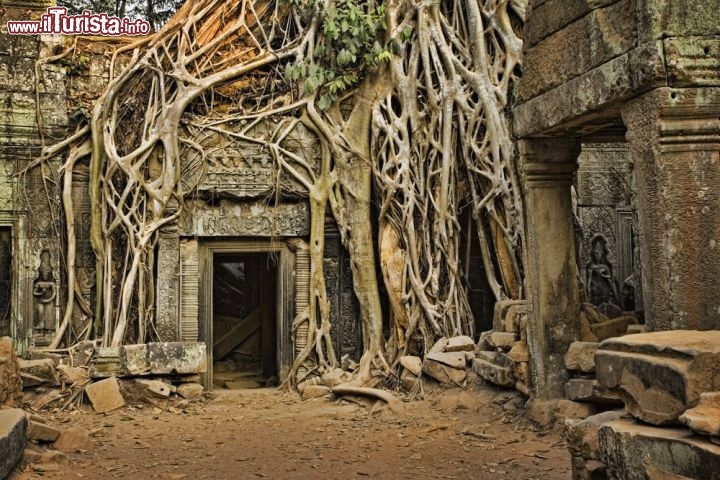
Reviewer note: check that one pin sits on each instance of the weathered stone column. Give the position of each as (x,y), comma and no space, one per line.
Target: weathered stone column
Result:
(674,141)
(167,299)
(551,269)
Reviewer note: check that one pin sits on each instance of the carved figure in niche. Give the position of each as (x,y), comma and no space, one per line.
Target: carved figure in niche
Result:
(44,291)
(600,280)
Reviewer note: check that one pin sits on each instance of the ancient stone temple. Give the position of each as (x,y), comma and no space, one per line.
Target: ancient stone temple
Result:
(233,273)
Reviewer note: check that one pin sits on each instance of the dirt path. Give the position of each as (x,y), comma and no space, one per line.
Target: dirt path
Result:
(268,434)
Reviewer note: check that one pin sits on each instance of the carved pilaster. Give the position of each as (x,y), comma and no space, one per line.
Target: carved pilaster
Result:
(674,141)
(548,166)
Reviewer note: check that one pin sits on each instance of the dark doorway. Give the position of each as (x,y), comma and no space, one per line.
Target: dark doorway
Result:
(244,320)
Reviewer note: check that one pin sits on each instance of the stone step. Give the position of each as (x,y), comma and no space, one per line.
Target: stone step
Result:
(632,451)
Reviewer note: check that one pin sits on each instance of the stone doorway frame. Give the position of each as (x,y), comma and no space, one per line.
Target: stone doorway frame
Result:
(284,295)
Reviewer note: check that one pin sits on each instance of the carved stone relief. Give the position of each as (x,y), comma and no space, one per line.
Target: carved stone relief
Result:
(231,219)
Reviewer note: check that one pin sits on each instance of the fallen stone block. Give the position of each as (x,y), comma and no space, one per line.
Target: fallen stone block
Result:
(484,342)
(631,451)
(542,412)
(70,374)
(462,343)
(34,373)
(190,390)
(451,359)
(581,357)
(177,357)
(315,391)
(408,380)
(500,314)
(582,435)
(516,319)
(13,427)
(521,370)
(42,432)
(412,363)
(616,327)
(589,390)
(493,373)
(503,340)
(498,358)
(705,417)
(569,410)
(439,345)
(31,456)
(633,329)
(444,373)
(74,439)
(519,352)
(105,395)
(659,375)
(161,389)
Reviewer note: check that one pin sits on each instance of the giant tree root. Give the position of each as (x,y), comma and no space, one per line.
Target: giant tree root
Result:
(392,401)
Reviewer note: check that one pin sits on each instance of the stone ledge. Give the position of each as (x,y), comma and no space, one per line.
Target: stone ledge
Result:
(631,451)
(624,77)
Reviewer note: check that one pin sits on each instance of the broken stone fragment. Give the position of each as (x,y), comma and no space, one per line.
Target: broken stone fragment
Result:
(462,343)
(660,375)
(412,363)
(503,340)
(157,387)
(38,372)
(484,342)
(42,432)
(105,395)
(581,356)
(500,314)
(73,439)
(190,391)
(70,374)
(439,345)
(442,372)
(493,373)
(451,359)
(615,327)
(408,380)
(705,417)
(519,352)
(633,329)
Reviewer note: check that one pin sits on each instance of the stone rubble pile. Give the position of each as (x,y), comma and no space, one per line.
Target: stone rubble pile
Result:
(669,384)
(166,375)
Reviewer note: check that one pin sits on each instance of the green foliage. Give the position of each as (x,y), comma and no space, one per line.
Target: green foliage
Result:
(349,45)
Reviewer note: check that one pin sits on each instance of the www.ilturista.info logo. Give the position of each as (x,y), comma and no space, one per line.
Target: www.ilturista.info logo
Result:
(57,21)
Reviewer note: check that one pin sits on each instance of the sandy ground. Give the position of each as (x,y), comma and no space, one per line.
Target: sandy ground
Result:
(270,434)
